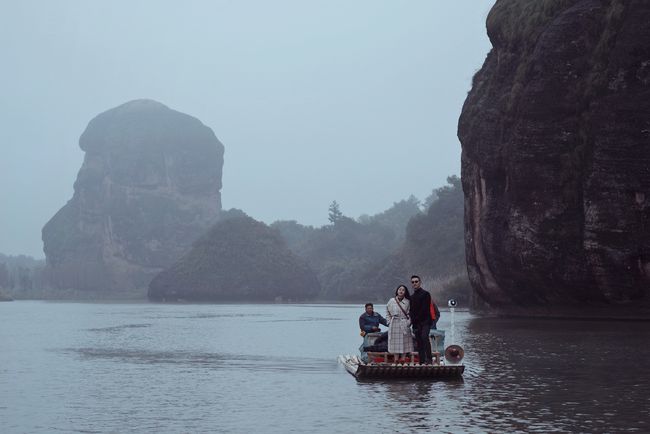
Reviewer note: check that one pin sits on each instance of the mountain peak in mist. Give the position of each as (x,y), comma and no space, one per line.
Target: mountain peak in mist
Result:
(149,185)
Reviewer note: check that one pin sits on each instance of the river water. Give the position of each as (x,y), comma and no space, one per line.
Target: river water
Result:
(119,368)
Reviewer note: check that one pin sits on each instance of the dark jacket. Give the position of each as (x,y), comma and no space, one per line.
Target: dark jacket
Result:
(420,304)
(367,322)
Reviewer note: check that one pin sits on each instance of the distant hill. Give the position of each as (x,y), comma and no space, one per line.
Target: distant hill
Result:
(367,259)
(433,249)
(239,259)
(342,251)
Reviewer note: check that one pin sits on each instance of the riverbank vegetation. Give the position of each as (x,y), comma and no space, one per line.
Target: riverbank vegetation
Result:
(20,274)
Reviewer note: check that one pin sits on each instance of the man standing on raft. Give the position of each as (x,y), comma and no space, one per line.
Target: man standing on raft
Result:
(421,319)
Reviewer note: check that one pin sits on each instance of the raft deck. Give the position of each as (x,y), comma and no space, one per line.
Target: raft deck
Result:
(390,369)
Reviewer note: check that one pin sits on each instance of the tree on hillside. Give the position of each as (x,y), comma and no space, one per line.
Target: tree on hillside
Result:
(430,199)
(24,278)
(20,272)
(4,276)
(396,217)
(335,214)
(435,240)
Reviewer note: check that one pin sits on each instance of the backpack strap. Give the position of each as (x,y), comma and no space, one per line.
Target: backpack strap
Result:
(401,308)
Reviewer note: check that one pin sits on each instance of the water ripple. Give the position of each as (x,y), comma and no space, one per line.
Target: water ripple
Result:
(118,328)
(209,360)
(308,319)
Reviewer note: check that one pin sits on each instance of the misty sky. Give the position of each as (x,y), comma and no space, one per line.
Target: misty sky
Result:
(314,101)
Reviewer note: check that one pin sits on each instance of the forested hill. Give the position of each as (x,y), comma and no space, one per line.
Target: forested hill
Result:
(239,259)
(365,259)
(20,274)
(433,249)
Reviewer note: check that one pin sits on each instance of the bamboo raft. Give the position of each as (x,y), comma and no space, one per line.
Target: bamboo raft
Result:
(389,369)
(374,364)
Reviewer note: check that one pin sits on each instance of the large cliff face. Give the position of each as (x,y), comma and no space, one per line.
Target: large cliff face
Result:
(149,186)
(556,156)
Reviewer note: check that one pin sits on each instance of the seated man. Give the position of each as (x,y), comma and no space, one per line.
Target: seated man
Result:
(369,322)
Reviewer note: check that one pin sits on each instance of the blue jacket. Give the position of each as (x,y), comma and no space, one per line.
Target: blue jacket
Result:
(367,322)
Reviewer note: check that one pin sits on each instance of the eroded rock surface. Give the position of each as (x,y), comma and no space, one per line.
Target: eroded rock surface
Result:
(556,156)
(148,187)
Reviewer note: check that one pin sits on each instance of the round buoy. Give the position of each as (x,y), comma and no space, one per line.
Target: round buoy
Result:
(454,354)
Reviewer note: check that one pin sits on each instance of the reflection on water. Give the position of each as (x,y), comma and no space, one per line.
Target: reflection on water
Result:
(562,375)
(533,376)
(272,368)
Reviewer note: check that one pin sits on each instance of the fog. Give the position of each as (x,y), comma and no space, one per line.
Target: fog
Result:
(314,101)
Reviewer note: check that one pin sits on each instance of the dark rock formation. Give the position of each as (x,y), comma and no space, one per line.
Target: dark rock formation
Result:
(148,187)
(556,156)
(239,259)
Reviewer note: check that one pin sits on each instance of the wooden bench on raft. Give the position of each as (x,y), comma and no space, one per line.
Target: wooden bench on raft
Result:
(385,357)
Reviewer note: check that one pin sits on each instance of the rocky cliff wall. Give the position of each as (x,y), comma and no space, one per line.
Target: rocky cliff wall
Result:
(556,157)
(149,186)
